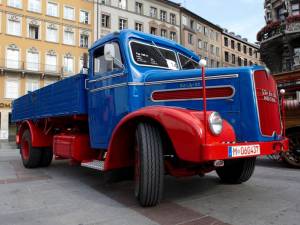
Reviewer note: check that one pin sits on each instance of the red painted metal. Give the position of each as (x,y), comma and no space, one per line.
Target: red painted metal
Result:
(182,94)
(38,137)
(268,103)
(204,104)
(187,136)
(73,146)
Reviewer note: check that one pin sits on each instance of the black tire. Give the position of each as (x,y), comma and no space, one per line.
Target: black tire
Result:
(31,157)
(237,171)
(292,156)
(149,165)
(46,157)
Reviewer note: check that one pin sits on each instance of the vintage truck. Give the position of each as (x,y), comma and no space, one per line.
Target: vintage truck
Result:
(141,104)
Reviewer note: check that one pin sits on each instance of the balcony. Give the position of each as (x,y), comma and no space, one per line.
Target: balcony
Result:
(277,29)
(30,68)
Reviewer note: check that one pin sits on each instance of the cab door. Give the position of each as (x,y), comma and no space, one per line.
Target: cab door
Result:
(107,95)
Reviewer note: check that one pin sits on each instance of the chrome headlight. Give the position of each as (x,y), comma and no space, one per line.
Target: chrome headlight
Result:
(215,123)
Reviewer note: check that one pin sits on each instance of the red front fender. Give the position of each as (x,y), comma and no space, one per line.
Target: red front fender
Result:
(184,128)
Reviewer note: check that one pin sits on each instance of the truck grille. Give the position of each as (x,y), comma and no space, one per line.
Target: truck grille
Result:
(267,103)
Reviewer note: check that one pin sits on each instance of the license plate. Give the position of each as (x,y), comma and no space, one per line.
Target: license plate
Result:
(244,150)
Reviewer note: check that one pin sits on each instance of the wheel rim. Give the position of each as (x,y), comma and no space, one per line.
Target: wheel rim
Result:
(25,149)
(293,155)
(137,170)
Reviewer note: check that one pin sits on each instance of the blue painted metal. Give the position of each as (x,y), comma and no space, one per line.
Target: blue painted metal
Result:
(113,95)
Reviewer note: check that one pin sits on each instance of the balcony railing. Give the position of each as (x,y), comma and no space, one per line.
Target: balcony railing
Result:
(291,24)
(31,67)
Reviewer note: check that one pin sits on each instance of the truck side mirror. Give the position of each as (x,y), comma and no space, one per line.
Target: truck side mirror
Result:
(109,52)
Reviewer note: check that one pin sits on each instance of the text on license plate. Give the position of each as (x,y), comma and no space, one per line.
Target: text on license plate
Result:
(245,150)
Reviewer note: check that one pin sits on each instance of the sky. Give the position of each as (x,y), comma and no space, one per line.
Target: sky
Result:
(243,17)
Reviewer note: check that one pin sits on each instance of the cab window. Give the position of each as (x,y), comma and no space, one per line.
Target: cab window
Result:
(101,66)
(188,63)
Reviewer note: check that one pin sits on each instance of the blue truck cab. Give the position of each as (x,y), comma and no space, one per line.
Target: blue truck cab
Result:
(141,105)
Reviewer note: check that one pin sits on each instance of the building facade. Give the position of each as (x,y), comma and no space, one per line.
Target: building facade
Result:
(280,38)
(202,37)
(41,41)
(237,51)
(152,16)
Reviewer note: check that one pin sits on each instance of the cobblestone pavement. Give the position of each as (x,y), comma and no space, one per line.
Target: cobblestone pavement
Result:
(63,195)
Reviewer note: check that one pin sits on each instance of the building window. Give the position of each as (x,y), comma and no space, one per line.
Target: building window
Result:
(122,4)
(212,63)
(205,46)
(184,20)
(51,63)
(51,33)
(239,47)
(245,49)
(15,3)
(173,35)
(296,9)
(12,88)
(190,39)
(52,9)
(139,26)
(123,24)
(69,13)
(217,36)
(251,63)
(153,30)
(212,49)
(139,8)
(69,36)
(217,51)
(34,5)
(199,27)
(212,34)
(192,24)
(226,41)
(233,58)
(281,13)
(105,21)
(84,17)
(153,12)
(33,31)
(250,52)
(296,56)
(163,33)
(226,57)
(84,40)
(12,58)
(199,43)
(163,15)
(218,64)
(172,18)
(14,25)
(232,44)
(31,85)
(239,61)
(68,64)
(205,31)
(32,61)
(245,62)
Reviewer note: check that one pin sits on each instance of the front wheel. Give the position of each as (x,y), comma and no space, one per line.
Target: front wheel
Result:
(149,166)
(236,171)
(292,157)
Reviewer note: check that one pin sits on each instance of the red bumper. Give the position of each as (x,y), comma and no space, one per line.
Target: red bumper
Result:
(212,152)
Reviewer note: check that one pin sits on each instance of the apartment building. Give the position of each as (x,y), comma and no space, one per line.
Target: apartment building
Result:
(238,51)
(160,18)
(41,41)
(202,37)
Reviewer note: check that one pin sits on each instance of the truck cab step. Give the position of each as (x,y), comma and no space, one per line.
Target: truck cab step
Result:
(95,164)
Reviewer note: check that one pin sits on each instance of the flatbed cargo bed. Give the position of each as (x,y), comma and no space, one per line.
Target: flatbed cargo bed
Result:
(64,98)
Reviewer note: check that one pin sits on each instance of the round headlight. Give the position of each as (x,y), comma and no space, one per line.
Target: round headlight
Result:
(215,123)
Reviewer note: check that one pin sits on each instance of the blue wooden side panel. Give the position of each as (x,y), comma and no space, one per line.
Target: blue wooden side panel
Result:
(64,98)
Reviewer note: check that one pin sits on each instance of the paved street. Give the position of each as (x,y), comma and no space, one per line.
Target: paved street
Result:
(63,194)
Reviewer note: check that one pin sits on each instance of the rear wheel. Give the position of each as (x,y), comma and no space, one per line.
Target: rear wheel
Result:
(46,157)
(237,171)
(292,157)
(31,157)
(149,167)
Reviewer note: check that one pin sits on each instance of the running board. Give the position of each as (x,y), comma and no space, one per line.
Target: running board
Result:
(95,164)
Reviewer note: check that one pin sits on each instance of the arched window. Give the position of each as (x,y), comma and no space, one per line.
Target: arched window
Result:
(51,61)
(32,59)
(12,57)
(68,63)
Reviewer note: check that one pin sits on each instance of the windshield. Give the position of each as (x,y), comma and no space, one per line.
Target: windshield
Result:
(152,55)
